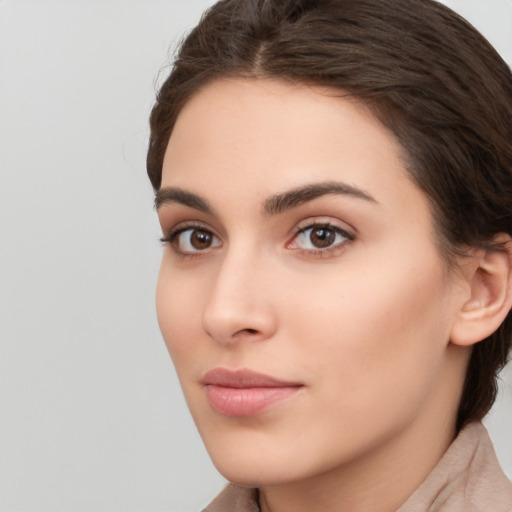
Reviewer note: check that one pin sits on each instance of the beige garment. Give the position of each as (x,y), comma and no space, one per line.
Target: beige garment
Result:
(468,478)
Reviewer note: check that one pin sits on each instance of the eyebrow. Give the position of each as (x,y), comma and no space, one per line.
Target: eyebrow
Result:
(273,205)
(171,195)
(300,195)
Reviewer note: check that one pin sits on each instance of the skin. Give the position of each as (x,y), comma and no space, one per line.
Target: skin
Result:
(364,325)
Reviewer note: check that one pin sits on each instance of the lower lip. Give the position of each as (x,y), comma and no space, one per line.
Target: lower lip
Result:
(247,401)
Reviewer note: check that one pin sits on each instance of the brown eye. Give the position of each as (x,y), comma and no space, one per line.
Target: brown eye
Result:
(193,240)
(322,237)
(201,240)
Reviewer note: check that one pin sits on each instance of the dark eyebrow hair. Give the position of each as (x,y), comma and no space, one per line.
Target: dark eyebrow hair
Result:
(177,195)
(274,204)
(300,195)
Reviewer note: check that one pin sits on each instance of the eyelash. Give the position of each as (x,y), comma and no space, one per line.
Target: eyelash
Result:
(173,238)
(330,250)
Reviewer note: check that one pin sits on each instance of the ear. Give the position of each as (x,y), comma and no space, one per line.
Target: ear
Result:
(490,285)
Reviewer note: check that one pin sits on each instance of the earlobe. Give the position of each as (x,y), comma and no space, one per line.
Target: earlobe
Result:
(490,295)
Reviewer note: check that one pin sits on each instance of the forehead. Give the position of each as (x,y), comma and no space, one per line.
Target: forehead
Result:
(253,138)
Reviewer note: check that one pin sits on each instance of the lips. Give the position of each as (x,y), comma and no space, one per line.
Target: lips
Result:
(245,392)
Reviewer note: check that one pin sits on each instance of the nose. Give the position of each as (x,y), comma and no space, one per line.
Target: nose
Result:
(240,305)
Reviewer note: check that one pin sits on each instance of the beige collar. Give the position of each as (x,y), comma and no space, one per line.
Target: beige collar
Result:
(468,478)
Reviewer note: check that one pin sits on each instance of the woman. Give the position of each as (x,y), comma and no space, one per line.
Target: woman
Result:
(333,179)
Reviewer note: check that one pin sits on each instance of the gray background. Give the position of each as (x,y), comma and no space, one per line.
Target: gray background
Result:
(91,415)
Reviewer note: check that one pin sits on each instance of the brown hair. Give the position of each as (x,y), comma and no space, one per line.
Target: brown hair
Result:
(426,74)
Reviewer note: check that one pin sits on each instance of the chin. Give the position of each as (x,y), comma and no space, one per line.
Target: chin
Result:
(250,460)
(264,474)
(253,460)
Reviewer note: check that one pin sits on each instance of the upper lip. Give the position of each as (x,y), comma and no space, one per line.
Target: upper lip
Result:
(243,378)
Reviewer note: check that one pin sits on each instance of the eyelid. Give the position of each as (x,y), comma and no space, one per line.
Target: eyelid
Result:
(326,221)
(178,228)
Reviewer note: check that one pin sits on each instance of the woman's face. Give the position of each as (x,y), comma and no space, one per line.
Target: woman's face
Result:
(301,294)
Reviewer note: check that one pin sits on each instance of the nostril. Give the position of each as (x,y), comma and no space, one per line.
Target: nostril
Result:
(247,332)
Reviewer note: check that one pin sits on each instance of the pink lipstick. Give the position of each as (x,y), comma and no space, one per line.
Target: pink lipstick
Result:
(245,392)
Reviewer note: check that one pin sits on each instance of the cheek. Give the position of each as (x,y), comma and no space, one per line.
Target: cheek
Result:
(178,313)
(381,333)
